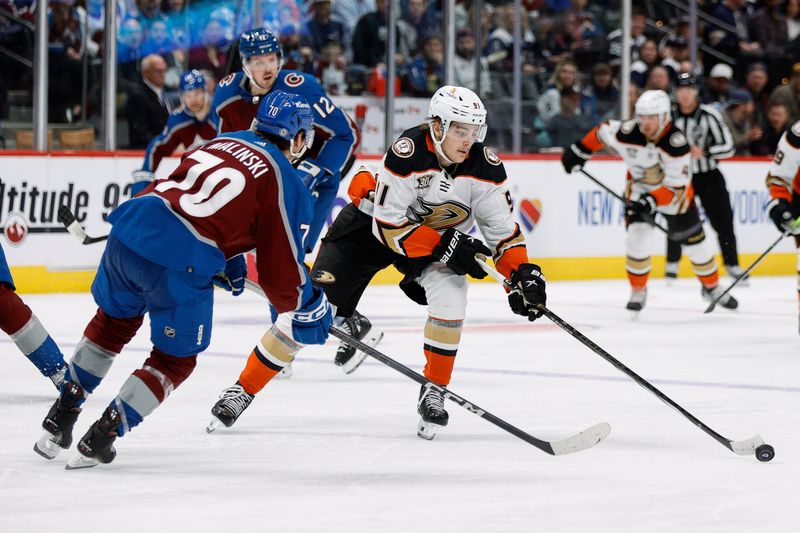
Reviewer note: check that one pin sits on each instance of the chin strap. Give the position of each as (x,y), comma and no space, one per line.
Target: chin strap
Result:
(438,147)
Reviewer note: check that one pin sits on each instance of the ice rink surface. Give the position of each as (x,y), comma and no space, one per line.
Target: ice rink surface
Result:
(329,452)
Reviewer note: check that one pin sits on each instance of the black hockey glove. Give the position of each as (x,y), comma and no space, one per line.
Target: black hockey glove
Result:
(530,291)
(575,157)
(457,250)
(646,205)
(781,214)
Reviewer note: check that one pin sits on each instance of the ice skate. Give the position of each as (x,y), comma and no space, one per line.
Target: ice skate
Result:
(97,446)
(636,302)
(734,272)
(361,328)
(59,422)
(58,377)
(727,301)
(431,407)
(671,272)
(232,402)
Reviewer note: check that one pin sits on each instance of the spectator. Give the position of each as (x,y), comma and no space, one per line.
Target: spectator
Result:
(739,118)
(158,41)
(733,44)
(425,73)
(675,52)
(500,45)
(149,10)
(65,64)
(549,104)
(755,83)
(789,94)
(718,85)
(211,54)
(648,58)
(320,29)
(769,28)
(277,14)
(330,68)
(148,108)
(658,79)
(129,53)
(588,39)
(599,99)
(348,13)
(638,38)
(295,57)
(422,19)
(634,91)
(777,120)
(563,126)
(793,26)
(369,39)
(464,64)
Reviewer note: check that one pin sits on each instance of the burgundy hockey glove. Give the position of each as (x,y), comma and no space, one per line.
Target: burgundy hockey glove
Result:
(529,285)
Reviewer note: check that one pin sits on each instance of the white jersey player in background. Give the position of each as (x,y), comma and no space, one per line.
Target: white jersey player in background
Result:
(783,182)
(659,180)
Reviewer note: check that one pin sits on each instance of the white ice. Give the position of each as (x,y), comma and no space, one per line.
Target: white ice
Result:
(329,452)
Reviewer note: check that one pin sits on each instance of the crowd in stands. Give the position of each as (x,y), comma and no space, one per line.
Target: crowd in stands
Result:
(571,52)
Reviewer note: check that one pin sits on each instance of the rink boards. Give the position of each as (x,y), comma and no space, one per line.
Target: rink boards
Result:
(573,228)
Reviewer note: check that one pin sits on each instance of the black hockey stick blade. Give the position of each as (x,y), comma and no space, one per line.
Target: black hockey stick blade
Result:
(576,443)
(741,447)
(66,217)
(744,274)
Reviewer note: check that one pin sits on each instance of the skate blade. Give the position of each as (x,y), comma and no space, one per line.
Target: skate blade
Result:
(426,430)
(286,373)
(46,447)
(213,425)
(371,340)
(79,461)
(634,314)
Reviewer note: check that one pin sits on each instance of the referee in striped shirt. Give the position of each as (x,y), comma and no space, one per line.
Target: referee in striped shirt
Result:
(710,140)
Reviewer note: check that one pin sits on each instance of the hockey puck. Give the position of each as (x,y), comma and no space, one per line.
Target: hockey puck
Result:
(765,453)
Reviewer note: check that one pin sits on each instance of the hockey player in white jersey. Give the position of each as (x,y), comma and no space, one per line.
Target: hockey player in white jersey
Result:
(659,180)
(437,181)
(783,181)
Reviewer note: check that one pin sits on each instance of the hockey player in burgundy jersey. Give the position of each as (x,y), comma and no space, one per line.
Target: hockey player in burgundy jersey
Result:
(189,126)
(236,193)
(336,140)
(783,182)
(438,180)
(19,322)
(659,181)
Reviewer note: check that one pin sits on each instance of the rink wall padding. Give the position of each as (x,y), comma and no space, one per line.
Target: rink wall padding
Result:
(574,229)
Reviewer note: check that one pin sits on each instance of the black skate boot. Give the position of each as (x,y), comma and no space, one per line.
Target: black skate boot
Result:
(97,445)
(59,422)
(232,402)
(431,407)
(727,301)
(361,328)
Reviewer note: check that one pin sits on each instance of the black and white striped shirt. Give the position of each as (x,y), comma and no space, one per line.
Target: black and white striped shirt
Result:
(706,129)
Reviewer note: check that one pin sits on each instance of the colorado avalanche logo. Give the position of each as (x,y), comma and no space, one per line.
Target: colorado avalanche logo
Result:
(293,80)
(530,213)
(16,230)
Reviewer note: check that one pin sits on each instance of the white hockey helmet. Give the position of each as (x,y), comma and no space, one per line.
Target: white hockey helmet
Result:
(654,102)
(457,104)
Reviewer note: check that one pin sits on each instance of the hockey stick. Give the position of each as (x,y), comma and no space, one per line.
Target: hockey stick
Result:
(763,452)
(581,441)
(792,227)
(66,217)
(647,218)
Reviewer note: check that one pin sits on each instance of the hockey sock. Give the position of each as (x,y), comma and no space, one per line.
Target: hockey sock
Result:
(149,386)
(703,263)
(103,339)
(638,271)
(268,358)
(17,320)
(441,346)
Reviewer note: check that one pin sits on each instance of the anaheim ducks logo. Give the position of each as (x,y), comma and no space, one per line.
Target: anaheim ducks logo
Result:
(796,128)
(491,157)
(403,147)
(323,276)
(439,216)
